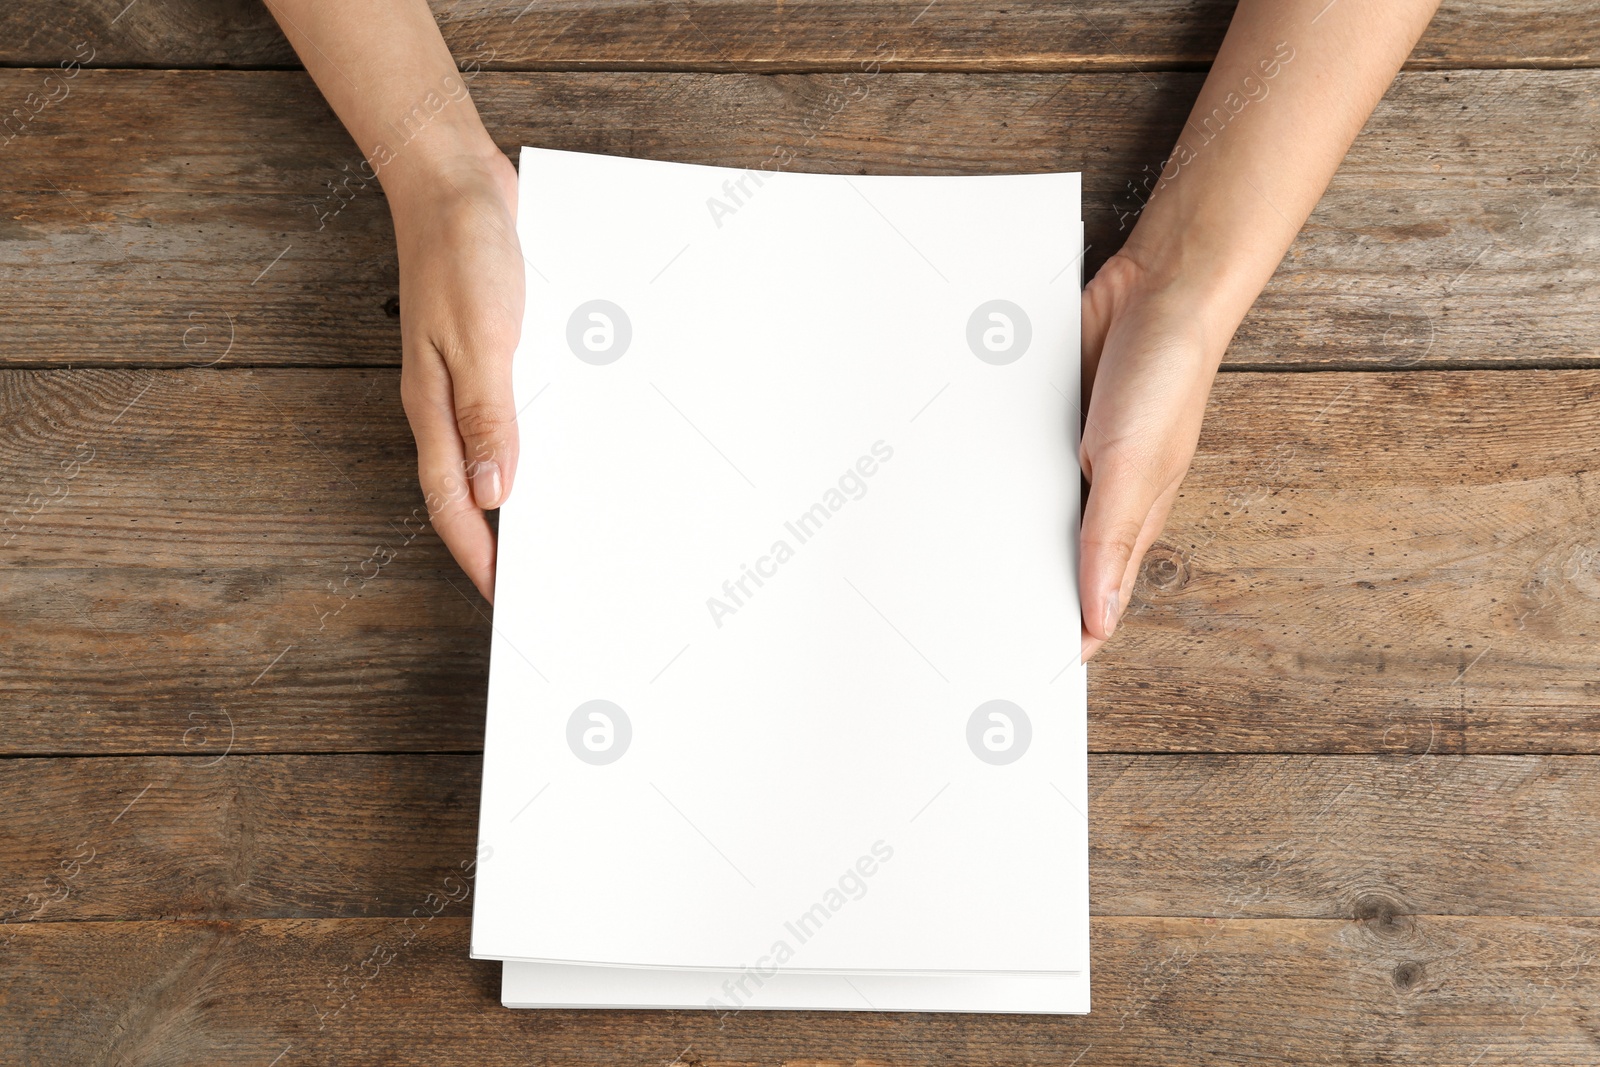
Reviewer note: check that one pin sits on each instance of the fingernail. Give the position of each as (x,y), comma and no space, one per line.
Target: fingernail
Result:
(486,484)
(1109,623)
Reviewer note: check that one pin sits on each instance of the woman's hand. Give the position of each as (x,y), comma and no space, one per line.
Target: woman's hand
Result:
(384,67)
(1150,351)
(461,297)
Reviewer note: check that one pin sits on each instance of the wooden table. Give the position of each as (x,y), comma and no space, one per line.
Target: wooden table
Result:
(1346,793)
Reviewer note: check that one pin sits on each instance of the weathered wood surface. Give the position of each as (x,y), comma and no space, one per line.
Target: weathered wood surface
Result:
(1403,567)
(1445,991)
(234,836)
(775,35)
(1359,562)
(1462,230)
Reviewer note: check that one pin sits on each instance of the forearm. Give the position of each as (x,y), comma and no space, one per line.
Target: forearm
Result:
(384,68)
(1294,82)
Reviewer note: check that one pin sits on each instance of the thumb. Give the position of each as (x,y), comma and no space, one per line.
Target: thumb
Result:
(486,418)
(1122,502)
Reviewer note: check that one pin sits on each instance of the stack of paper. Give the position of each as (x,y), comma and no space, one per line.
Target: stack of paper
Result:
(786,707)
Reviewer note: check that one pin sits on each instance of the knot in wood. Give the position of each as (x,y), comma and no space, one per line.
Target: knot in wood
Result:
(1381,913)
(1165,570)
(1408,975)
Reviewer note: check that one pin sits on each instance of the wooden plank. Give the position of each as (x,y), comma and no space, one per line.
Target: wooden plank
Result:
(1461,230)
(1393,550)
(232,836)
(331,601)
(1432,991)
(774,35)
(224,835)
(1359,562)
(164,660)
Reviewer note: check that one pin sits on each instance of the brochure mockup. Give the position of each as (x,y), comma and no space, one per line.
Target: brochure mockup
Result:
(786,703)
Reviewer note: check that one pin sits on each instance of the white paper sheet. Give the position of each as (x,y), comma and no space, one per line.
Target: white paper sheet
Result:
(545,985)
(793,539)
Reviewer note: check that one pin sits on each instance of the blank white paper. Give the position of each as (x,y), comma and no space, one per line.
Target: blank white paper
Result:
(544,985)
(785,664)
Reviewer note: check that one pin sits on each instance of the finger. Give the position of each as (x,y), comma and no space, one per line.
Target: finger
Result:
(1152,528)
(486,414)
(1121,497)
(1094,324)
(1090,645)
(1099,311)
(1154,523)
(443,470)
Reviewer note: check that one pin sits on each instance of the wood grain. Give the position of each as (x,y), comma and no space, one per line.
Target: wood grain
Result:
(775,35)
(1418,990)
(1402,567)
(1359,562)
(1390,549)
(222,835)
(1463,229)
(330,606)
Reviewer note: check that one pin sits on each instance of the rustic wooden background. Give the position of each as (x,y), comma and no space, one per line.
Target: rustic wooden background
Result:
(1345,753)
